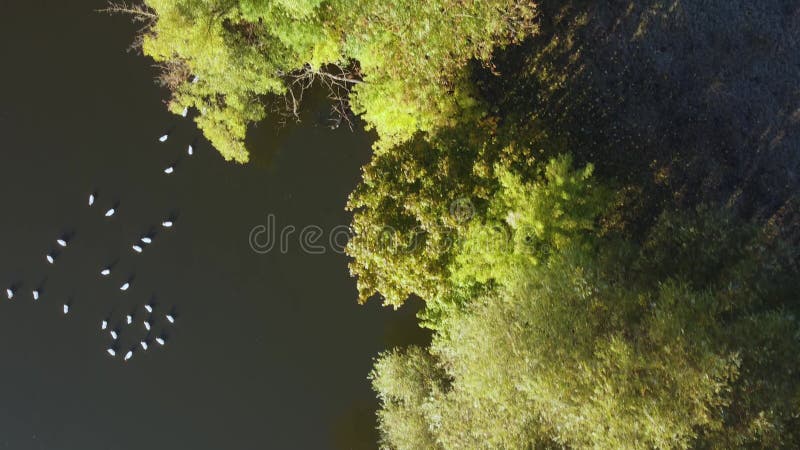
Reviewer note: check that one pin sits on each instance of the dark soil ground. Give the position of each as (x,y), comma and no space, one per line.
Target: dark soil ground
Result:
(681,102)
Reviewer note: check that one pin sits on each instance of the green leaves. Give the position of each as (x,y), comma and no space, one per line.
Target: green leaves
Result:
(551,332)
(602,343)
(407,384)
(527,221)
(412,56)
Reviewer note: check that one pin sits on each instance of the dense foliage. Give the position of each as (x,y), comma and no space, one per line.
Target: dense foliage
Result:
(406,59)
(412,204)
(583,300)
(589,341)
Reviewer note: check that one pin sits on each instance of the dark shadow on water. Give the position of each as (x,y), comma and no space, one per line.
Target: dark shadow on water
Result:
(266,140)
(356,428)
(39,287)
(68,235)
(54,252)
(110,266)
(151,232)
(173,216)
(263,142)
(168,131)
(15,287)
(152,301)
(175,164)
(115,206)
(403,329)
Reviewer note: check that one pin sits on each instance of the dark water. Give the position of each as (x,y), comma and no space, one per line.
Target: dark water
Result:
(269,351)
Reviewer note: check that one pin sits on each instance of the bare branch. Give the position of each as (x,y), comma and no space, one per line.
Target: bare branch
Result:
(138,12)
(338,78)
(338,86)
(173,73)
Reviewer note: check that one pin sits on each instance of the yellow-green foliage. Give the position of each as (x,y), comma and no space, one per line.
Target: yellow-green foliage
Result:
(238,51)
(587,349)
(413,205)
(407,384)
(527,221)
(412,56)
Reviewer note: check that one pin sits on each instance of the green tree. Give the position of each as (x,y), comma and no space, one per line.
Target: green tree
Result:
(607,343)
(403,226)
(407,384)
(407,59)
(414,54)
(239,51)
(525,222)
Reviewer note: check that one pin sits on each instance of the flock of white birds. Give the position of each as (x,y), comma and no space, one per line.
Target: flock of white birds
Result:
(150,316)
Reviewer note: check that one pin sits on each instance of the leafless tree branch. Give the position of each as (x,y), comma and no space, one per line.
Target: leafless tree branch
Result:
(336,79)
(138,12)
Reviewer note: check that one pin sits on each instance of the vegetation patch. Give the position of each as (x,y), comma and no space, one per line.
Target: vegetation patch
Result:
(596,201)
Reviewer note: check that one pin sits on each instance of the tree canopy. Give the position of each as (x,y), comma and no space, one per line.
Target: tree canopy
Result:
(405,60)
(598,342)
(522,189)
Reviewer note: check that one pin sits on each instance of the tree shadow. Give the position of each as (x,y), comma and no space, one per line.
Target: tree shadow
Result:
(356,428)
(681,102)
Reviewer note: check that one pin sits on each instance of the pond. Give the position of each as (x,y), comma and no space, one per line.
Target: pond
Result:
(269,348)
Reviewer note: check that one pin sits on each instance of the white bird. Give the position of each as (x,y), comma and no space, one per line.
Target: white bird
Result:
(170,318)
(50,258)
(147,240)
(169,170)
(62,242)
(104,325)
(149,308)
(110,212)
(66,308)
(35,294)
(185,111)
(190,150)
(124,287)
(164,138)
(137,248)
(160,341)
(166,224)
(91,199)
(144,345)
(129,319)
(195,79)
(113,334)
(111,352)
(105,272)
(128,355)
(147,325)
(10,293)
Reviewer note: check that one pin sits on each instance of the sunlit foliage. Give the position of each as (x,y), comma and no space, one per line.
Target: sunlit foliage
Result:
(551,330)
(237,51)
(608,346)
(407,57)
(415,203)
(525,222)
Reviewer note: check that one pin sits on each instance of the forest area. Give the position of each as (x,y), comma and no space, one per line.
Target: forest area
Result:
(596,201)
